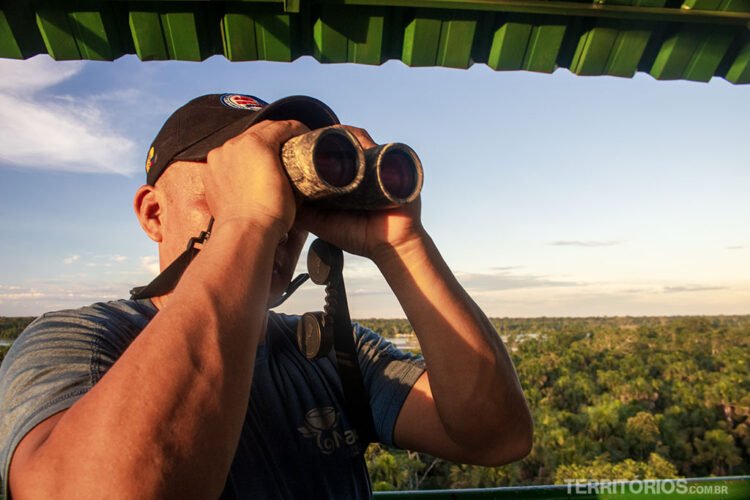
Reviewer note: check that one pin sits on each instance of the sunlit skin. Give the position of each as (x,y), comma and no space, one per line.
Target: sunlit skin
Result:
(180,194)
(194,361)
(184,213)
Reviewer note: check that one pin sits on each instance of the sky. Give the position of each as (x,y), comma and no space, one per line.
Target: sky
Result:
(547,195)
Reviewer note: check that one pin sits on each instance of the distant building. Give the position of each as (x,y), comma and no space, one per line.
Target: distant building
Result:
(406,342)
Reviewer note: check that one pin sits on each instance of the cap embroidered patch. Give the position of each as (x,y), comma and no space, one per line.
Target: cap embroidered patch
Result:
(246,102)
(150,159)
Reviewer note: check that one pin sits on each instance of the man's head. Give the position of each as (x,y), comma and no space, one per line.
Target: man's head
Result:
(209,121)
(171,207)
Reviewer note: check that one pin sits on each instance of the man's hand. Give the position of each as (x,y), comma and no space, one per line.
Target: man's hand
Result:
(469,406)
(244,179)
(372,234)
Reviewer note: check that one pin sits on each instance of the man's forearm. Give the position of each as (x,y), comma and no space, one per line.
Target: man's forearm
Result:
(165,419)
(473,382)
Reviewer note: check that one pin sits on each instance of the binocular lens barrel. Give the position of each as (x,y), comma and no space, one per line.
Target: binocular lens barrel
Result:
(335,159)
(398,174)
(330,165)
(394,176)
(324,163)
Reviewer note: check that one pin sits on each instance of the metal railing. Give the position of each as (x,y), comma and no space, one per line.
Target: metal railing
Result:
(719,488)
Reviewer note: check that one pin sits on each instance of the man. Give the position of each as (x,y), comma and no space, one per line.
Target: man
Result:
(198,392)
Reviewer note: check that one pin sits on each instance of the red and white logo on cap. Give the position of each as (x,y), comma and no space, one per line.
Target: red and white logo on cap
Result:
(246,102)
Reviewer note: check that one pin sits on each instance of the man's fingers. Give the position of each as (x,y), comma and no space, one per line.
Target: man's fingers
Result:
(244,177)
(309,219)
(319,221)
(362,136)
(276,132)
(268,134)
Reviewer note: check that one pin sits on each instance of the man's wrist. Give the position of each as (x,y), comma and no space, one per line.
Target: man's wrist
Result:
(402,253)
(269,229)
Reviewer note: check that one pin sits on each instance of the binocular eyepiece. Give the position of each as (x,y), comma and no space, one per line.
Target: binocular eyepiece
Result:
(329,165)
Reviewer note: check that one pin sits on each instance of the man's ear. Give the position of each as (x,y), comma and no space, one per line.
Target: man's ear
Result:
(148,210)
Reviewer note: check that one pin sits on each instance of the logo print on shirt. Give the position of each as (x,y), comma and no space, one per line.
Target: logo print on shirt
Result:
(321,424)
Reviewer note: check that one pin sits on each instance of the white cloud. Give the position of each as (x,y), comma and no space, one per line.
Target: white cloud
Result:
(71,259)
(106,260)
(96,260)
(20,295)
(150,263)
(24,77)
(16,293)
(369,297)
(584,243)
(98,264)
(692,288)
(503,280)
(38,298)
(41,130)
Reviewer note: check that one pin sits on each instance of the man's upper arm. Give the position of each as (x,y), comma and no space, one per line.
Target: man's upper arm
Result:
(52,364)
(23,456)
(46,370)
(403,408)
(419,428)
(388,375)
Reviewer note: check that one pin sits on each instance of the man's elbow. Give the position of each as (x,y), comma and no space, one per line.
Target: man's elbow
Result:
(522,445)
(514,445)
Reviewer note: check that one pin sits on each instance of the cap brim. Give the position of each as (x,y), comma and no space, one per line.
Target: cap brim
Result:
(308,110)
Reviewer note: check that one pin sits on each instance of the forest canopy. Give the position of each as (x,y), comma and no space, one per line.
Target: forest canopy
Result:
(612,398)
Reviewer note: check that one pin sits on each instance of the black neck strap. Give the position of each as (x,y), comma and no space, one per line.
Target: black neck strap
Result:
(325,263)
(297,282)
(356,398)
(168,279)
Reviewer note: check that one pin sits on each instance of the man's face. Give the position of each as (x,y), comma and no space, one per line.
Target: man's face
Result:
(185,213)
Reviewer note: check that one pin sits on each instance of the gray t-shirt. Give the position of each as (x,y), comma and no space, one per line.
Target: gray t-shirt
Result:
(297,440)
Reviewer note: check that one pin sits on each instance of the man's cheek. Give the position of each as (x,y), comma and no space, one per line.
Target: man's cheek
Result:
(297,238)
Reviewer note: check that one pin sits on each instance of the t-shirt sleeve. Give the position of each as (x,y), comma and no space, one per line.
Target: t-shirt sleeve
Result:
(388,374)
(58,359)
(48,368)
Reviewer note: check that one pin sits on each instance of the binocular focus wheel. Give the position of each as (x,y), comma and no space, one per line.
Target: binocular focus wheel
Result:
(323,261)
(314,339)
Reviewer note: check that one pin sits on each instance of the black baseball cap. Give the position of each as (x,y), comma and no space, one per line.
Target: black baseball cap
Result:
(209,121)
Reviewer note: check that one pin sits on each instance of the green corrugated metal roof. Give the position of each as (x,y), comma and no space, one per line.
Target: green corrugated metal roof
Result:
(669,39)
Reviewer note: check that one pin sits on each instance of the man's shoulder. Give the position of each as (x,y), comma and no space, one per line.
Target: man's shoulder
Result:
(117,321)
(130,312)
(285,322)
(57,359)
(123,309)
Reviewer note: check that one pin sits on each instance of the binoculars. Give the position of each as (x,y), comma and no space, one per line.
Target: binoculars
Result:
(329,166)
